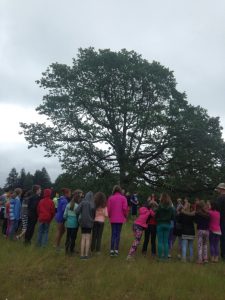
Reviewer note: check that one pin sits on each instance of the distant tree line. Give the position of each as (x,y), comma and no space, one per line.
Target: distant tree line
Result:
(25,180)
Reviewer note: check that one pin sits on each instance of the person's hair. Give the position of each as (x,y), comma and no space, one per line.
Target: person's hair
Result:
(201,207)
(35,188)
(28,194)
(116,189)
(72,203)
(77,194)
(18,191)
(100,200)
(165,199)
(65,191)
(214,205)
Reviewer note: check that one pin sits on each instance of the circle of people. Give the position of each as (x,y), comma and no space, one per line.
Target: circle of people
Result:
(156,219)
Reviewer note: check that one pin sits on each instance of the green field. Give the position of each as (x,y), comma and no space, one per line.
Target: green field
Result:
(31,273)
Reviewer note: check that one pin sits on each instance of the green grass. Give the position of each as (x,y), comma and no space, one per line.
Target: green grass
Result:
(31,273)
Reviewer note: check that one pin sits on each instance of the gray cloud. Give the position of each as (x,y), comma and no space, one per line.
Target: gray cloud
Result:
(186,36)
(19,156)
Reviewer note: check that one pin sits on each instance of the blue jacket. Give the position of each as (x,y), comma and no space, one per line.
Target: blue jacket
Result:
(62,203)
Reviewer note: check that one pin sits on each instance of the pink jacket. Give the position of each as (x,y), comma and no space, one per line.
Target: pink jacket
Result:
(117,208)
(214,223)
(144,213)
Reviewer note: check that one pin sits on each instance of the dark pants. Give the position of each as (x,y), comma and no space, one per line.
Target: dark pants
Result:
(4,226)
(222,239)
(71,235)
(30,229)
(97,236)
(150,231)
(115,237)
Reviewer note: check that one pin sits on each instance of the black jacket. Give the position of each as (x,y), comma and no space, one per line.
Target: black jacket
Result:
(187,224)
(32,206)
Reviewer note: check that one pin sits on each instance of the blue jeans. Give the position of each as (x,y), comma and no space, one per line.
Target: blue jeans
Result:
(163,231)
(187,244)
(42,238)
(115,237)
(13,228)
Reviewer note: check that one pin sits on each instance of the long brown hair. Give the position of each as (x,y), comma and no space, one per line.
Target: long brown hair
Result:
(165,199)
(100,200)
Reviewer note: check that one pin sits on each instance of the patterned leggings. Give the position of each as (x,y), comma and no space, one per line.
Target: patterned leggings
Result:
(203,236)
(138,231)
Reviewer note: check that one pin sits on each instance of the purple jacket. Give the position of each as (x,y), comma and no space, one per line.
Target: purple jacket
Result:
(117,208)
(62,203)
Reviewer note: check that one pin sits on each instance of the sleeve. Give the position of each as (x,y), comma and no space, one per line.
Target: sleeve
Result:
(65,213)
(52,210)
(79,209)
(125,207)
(108,207)
(106,212)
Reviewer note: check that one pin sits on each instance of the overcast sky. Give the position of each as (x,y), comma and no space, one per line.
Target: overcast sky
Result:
(186,36)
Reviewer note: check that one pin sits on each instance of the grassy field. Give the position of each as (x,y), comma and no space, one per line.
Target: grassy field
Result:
(43,274)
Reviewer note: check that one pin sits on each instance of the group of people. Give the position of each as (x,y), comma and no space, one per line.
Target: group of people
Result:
(162,220)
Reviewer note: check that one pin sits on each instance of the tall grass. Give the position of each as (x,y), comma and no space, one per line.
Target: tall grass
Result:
(32,273)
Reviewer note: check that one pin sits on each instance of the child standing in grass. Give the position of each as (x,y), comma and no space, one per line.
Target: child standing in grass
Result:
(71,224)
(86,212)
(150,230)
(46,212)
(140,224)
(100,215)
(117,211)
(62,203)
(186,219)
(214,231)
(24,214)
(164,215)
(202,219)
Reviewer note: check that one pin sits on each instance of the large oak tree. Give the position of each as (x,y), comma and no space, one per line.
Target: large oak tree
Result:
(114,112)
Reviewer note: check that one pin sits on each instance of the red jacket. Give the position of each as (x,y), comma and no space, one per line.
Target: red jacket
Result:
(46,208)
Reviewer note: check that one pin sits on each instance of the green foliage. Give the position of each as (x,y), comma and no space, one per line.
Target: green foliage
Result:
(116,113)
(42,178)
(12,180)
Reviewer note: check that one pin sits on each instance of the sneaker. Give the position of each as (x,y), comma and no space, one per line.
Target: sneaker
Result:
(112,253)
(169,256)
(82,257)
(116,252)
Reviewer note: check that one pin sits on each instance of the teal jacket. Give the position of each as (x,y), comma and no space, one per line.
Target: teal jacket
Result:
(164,214)
(70,216)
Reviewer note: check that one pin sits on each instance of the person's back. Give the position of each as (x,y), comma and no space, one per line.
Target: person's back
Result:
(187,224)
(46,208)
(164,214)
(117,208)
(87,212)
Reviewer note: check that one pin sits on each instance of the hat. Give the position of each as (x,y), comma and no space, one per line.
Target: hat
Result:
(220,186)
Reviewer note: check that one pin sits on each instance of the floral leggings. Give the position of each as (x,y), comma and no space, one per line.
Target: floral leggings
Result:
(203,236)
(138,231)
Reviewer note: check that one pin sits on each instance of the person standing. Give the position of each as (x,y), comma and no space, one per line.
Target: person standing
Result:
(62,203)
(117,212)
(134,204)
(86,212)
(221,206)
(46,212)
(100,215)
(164,215)
(32,213)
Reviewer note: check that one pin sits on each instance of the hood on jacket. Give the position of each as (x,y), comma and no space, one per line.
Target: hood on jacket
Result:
(89,197)
(47,193)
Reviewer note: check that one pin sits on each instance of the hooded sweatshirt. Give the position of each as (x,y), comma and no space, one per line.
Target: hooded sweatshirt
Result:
(144,214)
(164,214)
(46,208)
(86,211)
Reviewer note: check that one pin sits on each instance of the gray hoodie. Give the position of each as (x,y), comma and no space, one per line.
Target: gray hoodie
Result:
(86,211)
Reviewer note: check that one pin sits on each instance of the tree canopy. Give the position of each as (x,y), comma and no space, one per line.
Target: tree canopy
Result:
(116,113)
